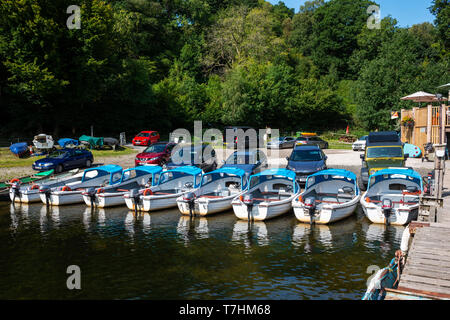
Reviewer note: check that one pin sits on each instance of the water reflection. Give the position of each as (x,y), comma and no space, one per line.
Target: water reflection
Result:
(191,228)
(380,236)
(330,236)
(270,253)
(250,233)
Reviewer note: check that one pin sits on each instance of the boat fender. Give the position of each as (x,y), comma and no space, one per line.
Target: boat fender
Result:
(148,192)
(405,240)
(66,188)
(300,199)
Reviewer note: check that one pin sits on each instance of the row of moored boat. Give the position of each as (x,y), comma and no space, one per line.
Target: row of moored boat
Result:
(329,195)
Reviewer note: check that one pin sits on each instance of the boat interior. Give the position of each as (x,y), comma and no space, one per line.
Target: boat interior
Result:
(131,182)
(331,192)
(399,191)
(175,183)
(272,190)
(220,188)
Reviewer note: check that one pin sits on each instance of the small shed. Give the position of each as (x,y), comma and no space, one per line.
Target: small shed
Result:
(421,125)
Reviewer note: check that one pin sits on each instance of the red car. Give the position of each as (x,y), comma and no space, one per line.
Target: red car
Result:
(145,138)
(156,154)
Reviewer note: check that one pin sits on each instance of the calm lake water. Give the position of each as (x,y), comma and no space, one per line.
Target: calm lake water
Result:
(163,255)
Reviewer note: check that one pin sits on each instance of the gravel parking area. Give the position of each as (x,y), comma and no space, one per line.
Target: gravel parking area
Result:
(340,159)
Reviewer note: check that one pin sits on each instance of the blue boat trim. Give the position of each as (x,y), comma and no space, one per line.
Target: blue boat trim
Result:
(319,177)
(110,169)
(143,170)
(230,171)
(403,171)
(190,170)
(277,172)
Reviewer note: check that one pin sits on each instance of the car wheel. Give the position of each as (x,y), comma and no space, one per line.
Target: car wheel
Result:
(59,168)
(362,186)
(88,163)
(326,145)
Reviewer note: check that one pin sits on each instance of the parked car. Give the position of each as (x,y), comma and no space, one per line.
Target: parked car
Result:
(360,144)
(145,138)
(203,156)
(251,161)
(250,139)
(64,159)
(383,150)
(155,154)
(281,142)
(306,160)
(312,141)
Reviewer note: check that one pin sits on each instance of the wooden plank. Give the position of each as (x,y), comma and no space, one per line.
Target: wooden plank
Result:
(423,286)
(432,281)
(425,272)
(424,293)
(428,254)
(428,268)
(426,262)
(430,244)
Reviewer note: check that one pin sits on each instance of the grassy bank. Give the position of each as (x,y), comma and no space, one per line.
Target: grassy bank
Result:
(336,144)
(8,160)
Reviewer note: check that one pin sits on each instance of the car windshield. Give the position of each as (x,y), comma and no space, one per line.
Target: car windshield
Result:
(306,155)
(143,134)
(385,152)
(241,159)
(195,155)
(156,148)
(57,155)
(301,139)
(362,138)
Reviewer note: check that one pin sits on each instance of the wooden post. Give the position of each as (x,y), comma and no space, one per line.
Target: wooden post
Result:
(429,119)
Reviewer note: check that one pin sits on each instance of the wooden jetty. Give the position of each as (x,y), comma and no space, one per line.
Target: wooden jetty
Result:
(426,275)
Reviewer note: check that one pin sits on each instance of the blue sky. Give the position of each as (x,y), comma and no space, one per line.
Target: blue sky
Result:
(407,12)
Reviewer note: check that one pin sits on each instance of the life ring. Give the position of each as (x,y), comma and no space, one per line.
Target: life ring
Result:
(14,180)
(100,190)
(66,188)
(148,192)
(34,186)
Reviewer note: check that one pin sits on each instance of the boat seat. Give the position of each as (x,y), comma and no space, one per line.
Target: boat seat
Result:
(210,196)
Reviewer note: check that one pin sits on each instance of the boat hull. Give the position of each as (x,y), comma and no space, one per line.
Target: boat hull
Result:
(398,216)
(151,203)
(262,211)
(27,196)
(205,206)
(326,214)
(62,198)
(104,200)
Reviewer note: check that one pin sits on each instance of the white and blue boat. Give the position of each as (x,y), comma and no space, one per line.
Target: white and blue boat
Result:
(71,192)
(171,185)
(392,196)
(330,195)
(269,194)
(217,189)
(133,178)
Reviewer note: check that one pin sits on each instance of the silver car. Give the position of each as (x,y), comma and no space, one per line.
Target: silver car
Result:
(281,142)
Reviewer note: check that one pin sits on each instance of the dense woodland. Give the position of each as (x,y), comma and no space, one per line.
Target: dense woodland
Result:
(161,64)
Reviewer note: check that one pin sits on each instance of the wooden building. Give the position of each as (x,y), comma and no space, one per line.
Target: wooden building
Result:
(425,126)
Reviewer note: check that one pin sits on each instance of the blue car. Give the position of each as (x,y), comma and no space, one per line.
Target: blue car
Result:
(305,161)
(250,160)
(60,160)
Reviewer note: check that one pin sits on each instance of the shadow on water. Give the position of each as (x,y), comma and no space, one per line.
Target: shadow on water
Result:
(164,255)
